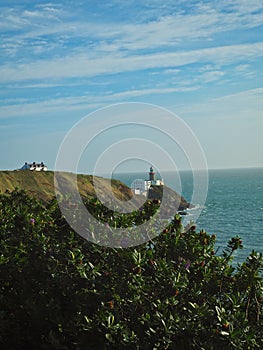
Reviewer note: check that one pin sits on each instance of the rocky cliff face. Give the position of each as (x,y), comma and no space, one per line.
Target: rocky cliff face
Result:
(156,193)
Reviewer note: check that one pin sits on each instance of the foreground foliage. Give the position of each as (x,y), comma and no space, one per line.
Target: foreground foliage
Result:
(59,291)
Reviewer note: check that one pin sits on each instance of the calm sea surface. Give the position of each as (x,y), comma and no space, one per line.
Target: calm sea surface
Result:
(234,205)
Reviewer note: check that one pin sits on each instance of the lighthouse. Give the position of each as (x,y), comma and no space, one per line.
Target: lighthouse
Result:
(151,174)
(152,181)
(142,187)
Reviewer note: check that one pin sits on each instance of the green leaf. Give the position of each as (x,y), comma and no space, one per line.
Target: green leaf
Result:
(192,304)
(110,320)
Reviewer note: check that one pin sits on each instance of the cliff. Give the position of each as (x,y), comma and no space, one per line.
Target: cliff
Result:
(40,185)
(156,192)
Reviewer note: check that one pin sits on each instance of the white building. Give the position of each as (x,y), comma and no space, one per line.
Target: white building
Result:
(34,166)
(141,187)
(138,187)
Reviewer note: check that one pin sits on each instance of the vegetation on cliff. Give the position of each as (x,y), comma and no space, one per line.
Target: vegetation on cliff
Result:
(59,291)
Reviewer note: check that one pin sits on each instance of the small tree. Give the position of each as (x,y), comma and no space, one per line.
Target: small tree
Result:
(59,291)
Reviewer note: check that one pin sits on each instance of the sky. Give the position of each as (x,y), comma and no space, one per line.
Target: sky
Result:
(61,61)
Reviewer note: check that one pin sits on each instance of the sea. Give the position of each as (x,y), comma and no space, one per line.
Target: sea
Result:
(233,205)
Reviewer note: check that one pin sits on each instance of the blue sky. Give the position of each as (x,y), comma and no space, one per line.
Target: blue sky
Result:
(199,59)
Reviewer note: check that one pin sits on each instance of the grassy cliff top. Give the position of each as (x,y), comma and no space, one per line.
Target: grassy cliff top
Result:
(41,184)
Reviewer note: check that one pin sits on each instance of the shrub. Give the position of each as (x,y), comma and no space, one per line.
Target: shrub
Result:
(59,291)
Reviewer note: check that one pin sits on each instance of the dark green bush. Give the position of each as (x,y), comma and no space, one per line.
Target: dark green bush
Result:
(59,291)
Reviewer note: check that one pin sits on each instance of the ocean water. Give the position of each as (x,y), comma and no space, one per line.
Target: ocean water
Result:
(234,205)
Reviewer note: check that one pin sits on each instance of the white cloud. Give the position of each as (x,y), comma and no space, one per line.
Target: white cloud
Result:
(243,95)
(40,108)
(164,31)
(171,71)
(246,104)
(242,67)
(243,6)
(210,76)
(82,65)
(22,107)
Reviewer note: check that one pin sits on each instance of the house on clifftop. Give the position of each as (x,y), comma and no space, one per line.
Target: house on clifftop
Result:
(34,166)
